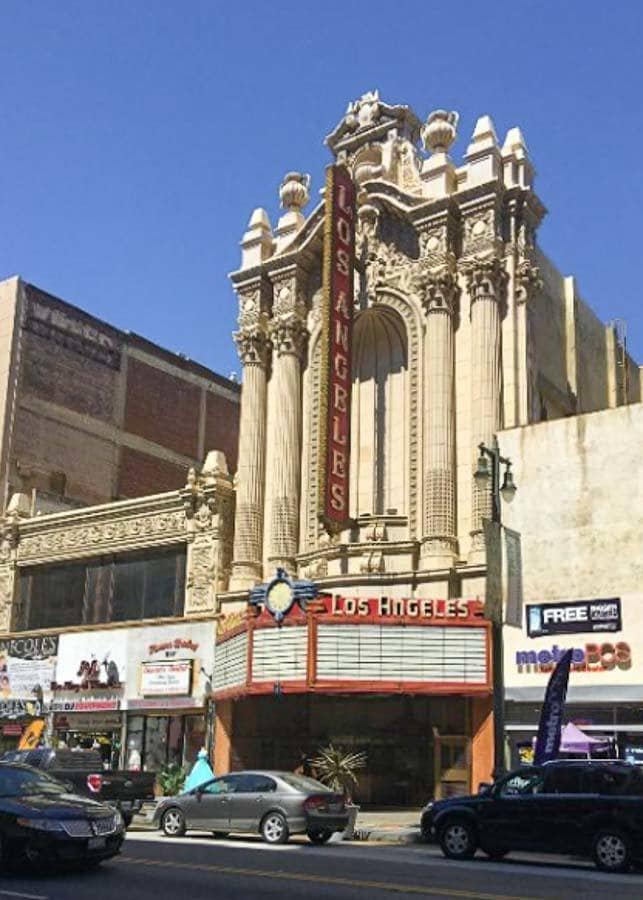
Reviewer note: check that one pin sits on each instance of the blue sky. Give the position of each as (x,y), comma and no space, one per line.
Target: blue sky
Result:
(138,136)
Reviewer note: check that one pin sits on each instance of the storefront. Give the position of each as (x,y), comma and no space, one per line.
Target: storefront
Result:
(27,666)
(605,694)
(168,693)
(88,693)
(405,680)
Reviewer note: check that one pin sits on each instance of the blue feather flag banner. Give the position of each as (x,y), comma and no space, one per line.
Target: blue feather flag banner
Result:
(551,716)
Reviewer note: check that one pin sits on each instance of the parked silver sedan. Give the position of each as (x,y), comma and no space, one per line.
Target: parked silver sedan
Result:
(274,804)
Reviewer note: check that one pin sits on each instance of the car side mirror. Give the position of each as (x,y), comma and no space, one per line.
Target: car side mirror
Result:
(484,789)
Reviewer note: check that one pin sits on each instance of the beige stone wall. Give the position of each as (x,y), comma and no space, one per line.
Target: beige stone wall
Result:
(579,504)
(593,363)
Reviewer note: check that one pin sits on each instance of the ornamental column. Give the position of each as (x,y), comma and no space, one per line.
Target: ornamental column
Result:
(486,280)
(439,545)
(288,335)
(254,351)
(527,284)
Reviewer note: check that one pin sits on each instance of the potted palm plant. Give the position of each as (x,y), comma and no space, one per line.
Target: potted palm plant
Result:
(338,769)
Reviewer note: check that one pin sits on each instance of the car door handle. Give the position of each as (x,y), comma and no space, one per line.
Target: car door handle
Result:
(258,799)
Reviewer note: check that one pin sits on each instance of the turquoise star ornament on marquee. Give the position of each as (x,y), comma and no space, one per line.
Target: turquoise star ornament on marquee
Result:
(281,593)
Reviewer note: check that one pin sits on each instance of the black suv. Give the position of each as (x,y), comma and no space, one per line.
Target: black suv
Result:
(577,807)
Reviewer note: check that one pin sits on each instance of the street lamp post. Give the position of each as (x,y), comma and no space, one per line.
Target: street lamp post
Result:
(506,491)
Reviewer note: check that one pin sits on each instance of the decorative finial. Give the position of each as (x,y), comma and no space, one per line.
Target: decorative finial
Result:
(440,131)
(294,191)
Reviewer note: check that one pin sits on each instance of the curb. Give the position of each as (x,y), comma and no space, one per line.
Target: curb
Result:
(361,835)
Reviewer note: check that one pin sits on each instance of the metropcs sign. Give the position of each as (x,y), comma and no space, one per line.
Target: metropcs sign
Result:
(603,657)
(336,349)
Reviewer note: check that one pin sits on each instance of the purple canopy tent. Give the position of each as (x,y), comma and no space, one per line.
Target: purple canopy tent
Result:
(573,740)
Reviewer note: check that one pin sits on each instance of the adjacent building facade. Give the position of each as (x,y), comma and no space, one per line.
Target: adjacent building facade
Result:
(107,618)
(90,414)
(579,509)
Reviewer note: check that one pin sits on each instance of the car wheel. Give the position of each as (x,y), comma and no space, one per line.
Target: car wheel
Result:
(458,840)
(274,829)
(612,851)
(220,834)
(173,822)
(319,836)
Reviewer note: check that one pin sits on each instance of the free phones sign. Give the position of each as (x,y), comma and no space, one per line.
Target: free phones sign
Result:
(578,616)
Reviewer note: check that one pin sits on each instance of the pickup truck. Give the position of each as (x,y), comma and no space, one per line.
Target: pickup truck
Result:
(84,770)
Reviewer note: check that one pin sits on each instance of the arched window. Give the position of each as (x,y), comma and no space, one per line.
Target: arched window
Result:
(379,439)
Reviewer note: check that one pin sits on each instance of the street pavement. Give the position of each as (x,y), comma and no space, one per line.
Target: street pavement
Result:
(199,867)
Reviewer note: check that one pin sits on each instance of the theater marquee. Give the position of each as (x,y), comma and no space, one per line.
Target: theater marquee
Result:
(337,321)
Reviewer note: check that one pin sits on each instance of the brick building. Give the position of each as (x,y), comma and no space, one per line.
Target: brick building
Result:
(89,413)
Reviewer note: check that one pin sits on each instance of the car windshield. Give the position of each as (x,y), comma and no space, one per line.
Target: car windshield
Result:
(303,783)
(22,782)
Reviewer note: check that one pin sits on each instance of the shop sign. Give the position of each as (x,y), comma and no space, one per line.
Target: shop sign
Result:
(20,709)
(153,703)
(27,665)
(579,616)
(336,342)
(407,607)
(86,704)
(14,730)
(170,648)
(90,722)
(166,679)
(92,660)
(604,657)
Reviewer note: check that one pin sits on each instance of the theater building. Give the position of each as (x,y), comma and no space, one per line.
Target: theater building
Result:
(407,317)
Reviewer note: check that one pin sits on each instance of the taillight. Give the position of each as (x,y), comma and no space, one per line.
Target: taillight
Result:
(317,801)
(94,783)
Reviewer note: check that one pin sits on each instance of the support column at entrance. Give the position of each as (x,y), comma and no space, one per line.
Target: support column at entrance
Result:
(289,334)
(486,282)
(223,722)
(481,741)
(439,534)
(254,349)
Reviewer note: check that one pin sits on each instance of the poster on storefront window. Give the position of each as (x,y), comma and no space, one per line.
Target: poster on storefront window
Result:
(27,665)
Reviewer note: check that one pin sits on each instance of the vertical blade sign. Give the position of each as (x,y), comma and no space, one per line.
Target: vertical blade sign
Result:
(336,376)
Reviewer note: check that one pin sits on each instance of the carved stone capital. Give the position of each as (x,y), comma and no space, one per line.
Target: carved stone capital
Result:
(254,303)
(528,281)
(253,346)
(440,292)
(486,279)
(289,335)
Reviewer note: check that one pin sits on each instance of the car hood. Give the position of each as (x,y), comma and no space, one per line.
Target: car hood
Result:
(438,806)
(62,806)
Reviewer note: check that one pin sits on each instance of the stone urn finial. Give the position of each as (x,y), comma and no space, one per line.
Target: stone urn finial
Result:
(440,131)
(294,191)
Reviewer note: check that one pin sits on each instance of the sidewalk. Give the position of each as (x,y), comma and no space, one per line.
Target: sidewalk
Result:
(390,826)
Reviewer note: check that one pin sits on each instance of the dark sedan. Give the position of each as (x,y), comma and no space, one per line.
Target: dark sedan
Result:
(274,804)
(41,822)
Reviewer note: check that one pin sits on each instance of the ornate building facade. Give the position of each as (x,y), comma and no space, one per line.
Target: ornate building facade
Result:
(462,327)
(373,638)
